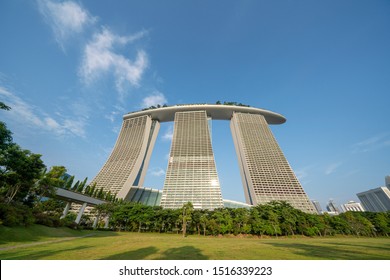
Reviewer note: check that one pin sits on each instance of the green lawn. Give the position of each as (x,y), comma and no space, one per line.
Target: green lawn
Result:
(38,242)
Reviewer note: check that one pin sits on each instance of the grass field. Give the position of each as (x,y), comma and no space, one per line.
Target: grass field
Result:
(38,242)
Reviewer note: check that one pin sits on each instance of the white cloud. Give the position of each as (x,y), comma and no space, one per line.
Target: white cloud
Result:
(28,115)
(65,18)
(111,116)
(52,124)
(77,127)
(103,52)
(158,172)
(20,109)
(371,144)
(168,135)
(301,174)
(332,168)
(157,98)
(100,57)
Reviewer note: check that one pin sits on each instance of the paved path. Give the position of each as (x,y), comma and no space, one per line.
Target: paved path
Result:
(44,242)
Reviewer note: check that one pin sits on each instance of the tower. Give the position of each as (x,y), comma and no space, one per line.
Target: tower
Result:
(266,175)
(128,162)
(191,174)
(375,200)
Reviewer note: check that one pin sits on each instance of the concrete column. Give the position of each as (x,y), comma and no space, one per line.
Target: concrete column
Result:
(81,211)
(66,210)
(106,221)
(95,222)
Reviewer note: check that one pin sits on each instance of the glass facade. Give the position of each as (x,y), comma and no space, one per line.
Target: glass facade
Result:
(146,196)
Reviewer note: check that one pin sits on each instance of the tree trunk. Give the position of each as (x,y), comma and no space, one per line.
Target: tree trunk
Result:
(12,192)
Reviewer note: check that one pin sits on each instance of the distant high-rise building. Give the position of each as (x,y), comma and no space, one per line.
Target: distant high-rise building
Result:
(352,206)
(387,181)
(332,207)
(317,206)
(375,200)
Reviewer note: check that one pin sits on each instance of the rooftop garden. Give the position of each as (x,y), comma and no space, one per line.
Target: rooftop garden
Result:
(228,103)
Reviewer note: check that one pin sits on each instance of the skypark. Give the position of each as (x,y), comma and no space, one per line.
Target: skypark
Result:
(215,111)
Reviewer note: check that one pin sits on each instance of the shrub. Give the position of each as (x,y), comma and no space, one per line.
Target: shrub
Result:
(16,215)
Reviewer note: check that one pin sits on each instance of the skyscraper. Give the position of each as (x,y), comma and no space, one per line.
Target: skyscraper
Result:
(128,162)
(332,207)
(376,200)
(266,174)
(317,206)
(191,174)
(387,181)
(352,206)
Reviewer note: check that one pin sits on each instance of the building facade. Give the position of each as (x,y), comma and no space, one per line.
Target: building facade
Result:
(317,206)
(332,207)
(129,160)
(352,206)
(375,200)
(266,174)
(192,174)
(387,181)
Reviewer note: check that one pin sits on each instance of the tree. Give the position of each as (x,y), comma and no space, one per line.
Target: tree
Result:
(68,183)
(204,218)
(19,169)
(265,220)
(196,220)
(75,186)
(315,225)
(381,222)
(103,210)
(91,190)
(241,218)
(5,134)
(288,216)
(80,188)
(224,220)
(4,107)
(357,224)
(46,185)
(186,211)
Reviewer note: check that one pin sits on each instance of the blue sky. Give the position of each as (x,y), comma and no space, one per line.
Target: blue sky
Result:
(71,69)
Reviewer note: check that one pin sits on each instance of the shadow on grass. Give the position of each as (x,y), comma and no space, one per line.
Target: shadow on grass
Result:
(180,253)
(367,246)
(37,233)
(183,253)
(138,254)
(337,251)
(40,255)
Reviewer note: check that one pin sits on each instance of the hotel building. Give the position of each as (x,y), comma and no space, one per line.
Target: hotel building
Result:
(192,173)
